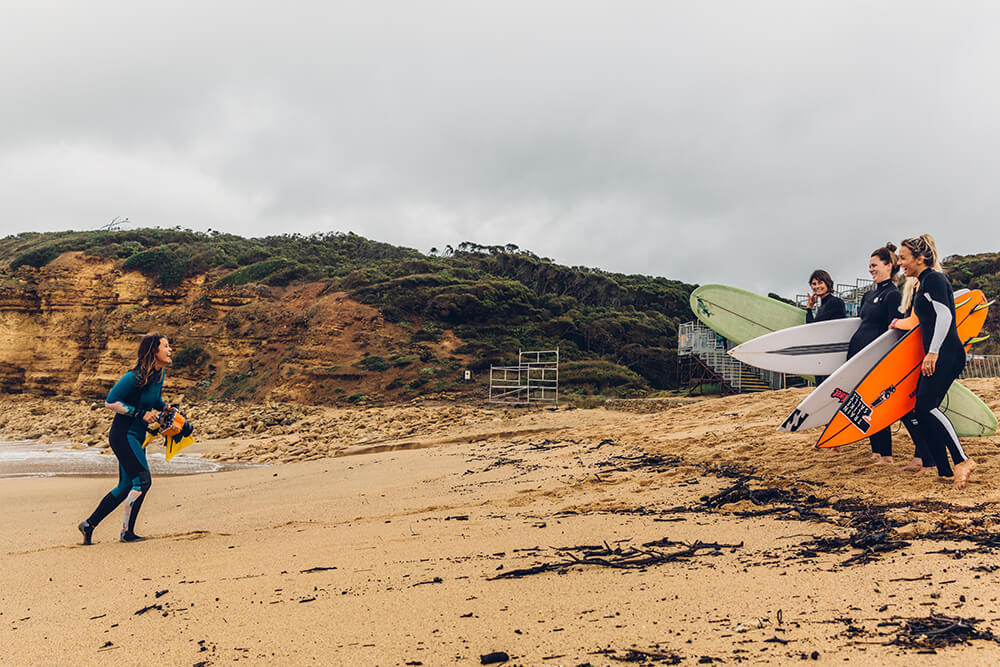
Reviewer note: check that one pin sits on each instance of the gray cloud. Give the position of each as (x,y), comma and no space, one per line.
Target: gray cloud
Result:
(745,143)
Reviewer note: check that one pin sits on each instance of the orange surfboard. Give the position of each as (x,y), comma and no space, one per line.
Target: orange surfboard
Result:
(889,389)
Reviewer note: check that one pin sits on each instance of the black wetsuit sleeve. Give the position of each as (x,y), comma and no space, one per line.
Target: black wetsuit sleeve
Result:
(831,308)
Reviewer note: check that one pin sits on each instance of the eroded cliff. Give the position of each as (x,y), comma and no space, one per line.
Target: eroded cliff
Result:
(70,328)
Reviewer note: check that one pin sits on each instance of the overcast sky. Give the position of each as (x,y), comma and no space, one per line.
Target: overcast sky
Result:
(737,142)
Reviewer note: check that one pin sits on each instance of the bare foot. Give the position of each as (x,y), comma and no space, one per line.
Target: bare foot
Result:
(915,465)
(930,470)
(884,459)
(962,472)
(876,457)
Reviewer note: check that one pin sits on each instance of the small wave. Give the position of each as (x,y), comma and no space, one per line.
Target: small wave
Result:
(33,459)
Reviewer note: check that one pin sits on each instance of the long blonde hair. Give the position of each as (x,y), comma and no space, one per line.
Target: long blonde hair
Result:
(922,246)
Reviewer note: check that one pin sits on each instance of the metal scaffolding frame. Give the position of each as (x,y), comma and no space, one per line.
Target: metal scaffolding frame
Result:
(535,379)
(851,295)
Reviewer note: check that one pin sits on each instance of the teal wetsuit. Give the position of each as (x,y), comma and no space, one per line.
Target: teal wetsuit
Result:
(128,432)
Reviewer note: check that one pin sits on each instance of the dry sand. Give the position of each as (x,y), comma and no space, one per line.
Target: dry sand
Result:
(440,534)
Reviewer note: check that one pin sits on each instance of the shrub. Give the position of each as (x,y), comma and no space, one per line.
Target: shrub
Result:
(599,377)
(254,272)
(288,275)
(36,258)
(373,363)
(191,356)
(164,263)
(428,332)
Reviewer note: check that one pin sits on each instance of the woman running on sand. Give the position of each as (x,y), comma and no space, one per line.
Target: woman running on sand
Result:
(879,307)
(135,399)
(944,360)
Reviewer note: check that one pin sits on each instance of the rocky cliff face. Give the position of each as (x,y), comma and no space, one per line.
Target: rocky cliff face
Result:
(71,329)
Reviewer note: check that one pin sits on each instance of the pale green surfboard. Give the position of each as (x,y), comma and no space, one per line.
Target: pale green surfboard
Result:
(740,315)
(967,413)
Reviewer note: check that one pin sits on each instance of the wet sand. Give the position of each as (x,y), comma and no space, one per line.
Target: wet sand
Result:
(691,534)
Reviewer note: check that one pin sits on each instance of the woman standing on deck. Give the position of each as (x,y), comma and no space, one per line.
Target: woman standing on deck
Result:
(136,401)
(879,307)
(944,358)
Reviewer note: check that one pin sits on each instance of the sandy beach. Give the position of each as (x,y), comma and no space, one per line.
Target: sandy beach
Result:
(662,532)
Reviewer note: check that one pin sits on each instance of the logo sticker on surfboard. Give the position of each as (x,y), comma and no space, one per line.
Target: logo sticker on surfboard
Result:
(795,420)
(857,412)
(883,396)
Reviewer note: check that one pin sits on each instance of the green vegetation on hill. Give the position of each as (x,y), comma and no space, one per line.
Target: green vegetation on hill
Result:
(981,272)
(618,332)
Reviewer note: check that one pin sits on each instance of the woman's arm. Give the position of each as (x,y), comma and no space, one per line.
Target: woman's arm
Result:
(119,395)
(116,400)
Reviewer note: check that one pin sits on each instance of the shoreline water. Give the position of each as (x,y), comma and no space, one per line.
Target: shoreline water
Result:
(29,458)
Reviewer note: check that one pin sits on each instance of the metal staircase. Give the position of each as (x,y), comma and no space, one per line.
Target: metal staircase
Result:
(707,361)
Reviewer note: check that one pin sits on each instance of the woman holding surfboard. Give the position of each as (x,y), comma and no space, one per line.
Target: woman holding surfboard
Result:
(831,307)
(135,399)
(944,359)
(879,307)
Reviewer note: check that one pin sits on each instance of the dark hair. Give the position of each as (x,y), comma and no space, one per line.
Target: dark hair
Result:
(823,277)
(887,254)
(145,365)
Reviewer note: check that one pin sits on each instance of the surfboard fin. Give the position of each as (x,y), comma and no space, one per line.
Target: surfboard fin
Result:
(177,443)
(959,304)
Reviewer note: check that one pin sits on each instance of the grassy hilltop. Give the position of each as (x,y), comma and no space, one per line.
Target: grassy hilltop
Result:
(617,333)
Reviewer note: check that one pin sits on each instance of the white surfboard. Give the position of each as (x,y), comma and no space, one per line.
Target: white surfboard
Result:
(822,404)
(819,348)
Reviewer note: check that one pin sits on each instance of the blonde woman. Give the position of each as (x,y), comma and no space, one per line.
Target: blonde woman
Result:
(944,359)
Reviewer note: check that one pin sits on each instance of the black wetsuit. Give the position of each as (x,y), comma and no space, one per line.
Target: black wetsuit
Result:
(934,306)
(878,308)
(830,308)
